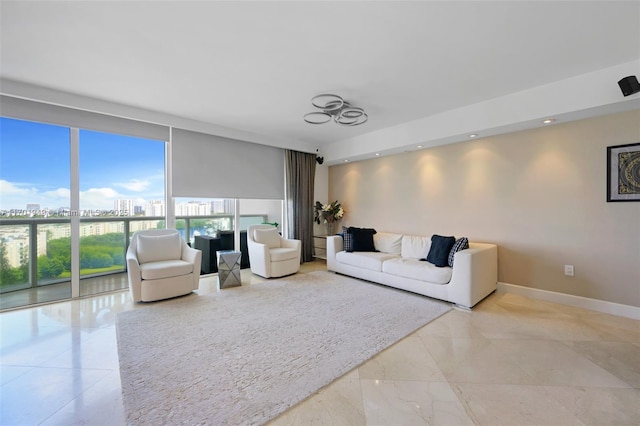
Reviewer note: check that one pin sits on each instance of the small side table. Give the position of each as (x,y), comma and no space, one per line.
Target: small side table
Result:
(320,246)
(229,268)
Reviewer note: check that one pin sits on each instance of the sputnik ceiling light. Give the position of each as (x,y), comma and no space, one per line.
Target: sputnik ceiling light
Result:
(333,106)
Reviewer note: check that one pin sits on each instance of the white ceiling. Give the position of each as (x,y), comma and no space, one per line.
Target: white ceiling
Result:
(254,66)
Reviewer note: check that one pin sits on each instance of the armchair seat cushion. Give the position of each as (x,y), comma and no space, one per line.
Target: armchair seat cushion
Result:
(165,269)
(280,254)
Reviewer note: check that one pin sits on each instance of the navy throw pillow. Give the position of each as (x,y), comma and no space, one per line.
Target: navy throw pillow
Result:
(439,251)
(362,239)
(460,244)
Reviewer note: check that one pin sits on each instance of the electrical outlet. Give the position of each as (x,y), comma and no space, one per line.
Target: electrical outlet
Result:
(568,270)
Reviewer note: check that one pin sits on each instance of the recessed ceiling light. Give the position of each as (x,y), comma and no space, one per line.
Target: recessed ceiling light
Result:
(419,146)
(473,135)
(548,121)
(377,154)
(346,161)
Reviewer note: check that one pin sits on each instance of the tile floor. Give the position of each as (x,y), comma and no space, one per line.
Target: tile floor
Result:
(512,360)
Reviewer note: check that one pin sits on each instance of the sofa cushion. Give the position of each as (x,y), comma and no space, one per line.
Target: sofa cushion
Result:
(362,239)
(415,247)
(365,260)
(268,237)
(439,251)
(279,254)
(417,270)
(165,269)
(460,244)
(388,243)
(154,248)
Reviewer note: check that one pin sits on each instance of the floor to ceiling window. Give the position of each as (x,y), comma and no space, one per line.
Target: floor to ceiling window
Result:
(35,231)
(120,185)
(203,216)
(121,180)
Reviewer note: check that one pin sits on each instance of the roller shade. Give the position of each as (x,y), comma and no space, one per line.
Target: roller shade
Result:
(54,114)
(208,166)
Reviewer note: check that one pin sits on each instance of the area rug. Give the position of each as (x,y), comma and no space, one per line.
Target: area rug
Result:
(246,354)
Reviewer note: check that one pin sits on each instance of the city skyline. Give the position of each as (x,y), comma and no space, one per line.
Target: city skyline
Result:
(125,207)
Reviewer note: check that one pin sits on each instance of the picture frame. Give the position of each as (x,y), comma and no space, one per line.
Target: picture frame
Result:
(623,172)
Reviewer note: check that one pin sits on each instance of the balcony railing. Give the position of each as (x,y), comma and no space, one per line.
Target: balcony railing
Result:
(37,251)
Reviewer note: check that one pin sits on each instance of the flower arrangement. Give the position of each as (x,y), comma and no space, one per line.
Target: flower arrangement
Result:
(328,213)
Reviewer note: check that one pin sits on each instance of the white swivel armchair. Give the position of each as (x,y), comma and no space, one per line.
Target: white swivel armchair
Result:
(161,265)
(270,255)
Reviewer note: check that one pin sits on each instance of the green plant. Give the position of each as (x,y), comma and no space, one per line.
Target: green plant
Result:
(328,213)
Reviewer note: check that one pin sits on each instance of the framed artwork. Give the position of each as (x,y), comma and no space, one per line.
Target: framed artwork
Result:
(623,172)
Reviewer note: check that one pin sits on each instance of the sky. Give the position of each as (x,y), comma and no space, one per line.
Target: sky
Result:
(35,167)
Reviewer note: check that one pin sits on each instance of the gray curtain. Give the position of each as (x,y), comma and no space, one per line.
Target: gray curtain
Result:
(300,171)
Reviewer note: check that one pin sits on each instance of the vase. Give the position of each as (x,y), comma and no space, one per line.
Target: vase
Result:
(329,228)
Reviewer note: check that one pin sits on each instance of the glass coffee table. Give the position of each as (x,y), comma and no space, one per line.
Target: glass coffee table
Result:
(229,268)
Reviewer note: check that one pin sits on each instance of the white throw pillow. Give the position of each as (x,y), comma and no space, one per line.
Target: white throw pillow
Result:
(415,247)
(387,242)
(268,237)
(154,248)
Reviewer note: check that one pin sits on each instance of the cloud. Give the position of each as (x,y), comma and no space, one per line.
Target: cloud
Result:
(15,195)
(60,193)
(135,185)
(99,198)
(9,188)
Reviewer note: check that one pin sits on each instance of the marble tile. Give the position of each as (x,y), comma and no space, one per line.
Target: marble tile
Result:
(38,394)
(456,323)
(406,360)
(511,360)
(478,360)
(10,372)
(95,350)
(340,403)
(599,406)
(37,348)
(531,362)
(513,405)
(99,405)
(621,359)
(553,363)
(412,403)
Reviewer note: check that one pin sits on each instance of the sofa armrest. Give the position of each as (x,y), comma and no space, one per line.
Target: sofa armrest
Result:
(475,274)
(134,275)
(334,246)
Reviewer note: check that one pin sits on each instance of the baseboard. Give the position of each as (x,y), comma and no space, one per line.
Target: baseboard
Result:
(612,308)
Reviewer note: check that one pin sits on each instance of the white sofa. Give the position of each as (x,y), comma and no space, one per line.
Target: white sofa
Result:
(161,265)
(473,277)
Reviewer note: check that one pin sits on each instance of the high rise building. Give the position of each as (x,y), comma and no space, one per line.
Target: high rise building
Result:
(121,206)
(154,208)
